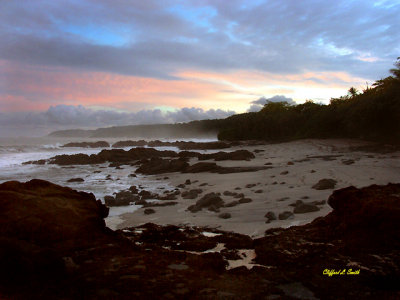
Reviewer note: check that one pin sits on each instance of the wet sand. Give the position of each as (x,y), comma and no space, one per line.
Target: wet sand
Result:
(295,168)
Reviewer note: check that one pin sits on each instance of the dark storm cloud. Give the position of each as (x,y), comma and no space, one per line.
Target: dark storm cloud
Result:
(258,104)
(159,38)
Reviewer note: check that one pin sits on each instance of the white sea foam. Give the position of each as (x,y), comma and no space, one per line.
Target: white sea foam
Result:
(15,151)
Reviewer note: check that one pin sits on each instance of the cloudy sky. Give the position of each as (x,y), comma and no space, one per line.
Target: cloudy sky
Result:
(117,62)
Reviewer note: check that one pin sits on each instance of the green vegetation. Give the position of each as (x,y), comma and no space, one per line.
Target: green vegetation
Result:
(373,114)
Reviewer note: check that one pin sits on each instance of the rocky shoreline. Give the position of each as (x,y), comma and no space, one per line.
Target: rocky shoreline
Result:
(54,244)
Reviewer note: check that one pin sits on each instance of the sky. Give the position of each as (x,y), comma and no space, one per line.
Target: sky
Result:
(90,63)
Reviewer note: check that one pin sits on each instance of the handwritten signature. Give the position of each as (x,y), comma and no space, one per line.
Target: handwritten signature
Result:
(332,272)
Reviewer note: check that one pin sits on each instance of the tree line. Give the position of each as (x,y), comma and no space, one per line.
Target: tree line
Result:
(371,114)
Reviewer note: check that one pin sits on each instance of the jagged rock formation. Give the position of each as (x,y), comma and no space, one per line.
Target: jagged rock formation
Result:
(54,245)
(140,156)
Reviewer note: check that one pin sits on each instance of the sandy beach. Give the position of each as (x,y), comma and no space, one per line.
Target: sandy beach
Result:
(295,167)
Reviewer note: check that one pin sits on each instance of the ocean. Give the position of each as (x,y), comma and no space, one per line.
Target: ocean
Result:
(99,179)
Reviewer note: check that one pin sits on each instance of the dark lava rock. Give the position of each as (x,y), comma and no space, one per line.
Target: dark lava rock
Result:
(298,202)
(192,194)
(132,175)
(133,189)
(285,215)
(302,208)
(236,155)
(122,144)
(348,161)
(322,202)
(270,215)
(224,216)
(119,156)
(168,195)
(99,144)
(54,245)
(228,193)
(232,203)
(147,195)
(213,208)
(109,200)
(159,204)
(214,168)
(325,184)
(250,185)
(114,165)
(258,191)
(284,172)
(187,154)
(187,182)
(202,146)
(149,211)
(158,165)
(124,198)
(76,180)
(374,207)
(238,195)
(41,204)
(245,200)
(40,223)
(202,167)
(208,200)
(362,229)
(35,162)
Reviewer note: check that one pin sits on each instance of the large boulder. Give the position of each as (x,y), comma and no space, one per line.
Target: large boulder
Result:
(212,200)
(370,212)
(41,212)
(302,208)
(191,194)
(124,198)
(325,184)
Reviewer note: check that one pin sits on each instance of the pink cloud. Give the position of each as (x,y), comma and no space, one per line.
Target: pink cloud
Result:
(38,87)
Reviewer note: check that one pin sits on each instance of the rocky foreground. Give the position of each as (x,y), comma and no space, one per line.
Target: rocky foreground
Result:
(54,245)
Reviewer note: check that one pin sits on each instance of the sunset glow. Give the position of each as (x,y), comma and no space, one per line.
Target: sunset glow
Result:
(134,56)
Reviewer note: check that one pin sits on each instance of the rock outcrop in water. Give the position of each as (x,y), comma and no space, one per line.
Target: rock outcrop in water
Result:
(54,245)
(113,156)
(152,161)
(180,144)
(99,144)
